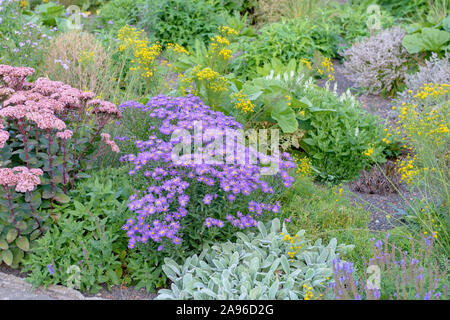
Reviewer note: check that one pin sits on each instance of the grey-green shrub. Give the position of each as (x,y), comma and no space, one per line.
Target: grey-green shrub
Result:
(378,63)
(435,70)
(255,267)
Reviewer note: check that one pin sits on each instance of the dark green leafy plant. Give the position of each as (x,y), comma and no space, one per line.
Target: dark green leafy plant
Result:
(87,234)
(428,38)
(88,238)
(181,21)
(293,39)
(341,138)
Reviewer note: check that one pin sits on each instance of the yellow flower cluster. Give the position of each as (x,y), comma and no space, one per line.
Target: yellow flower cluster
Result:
(220,40)
(219,46)
(23,3)
(326,67)
(177,48)
(243,103)
(407,170)
(227,54)
(307,63)
(215,81)
(430,124)
(85,57)
(144,53)
(303,166)
(369,152)
(207,74)
(309,294)
(338,193)
(295,245)
(228,31)
(433,90)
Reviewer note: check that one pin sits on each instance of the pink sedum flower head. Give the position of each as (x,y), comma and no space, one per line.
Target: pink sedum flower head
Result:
(22,178)
(64,135)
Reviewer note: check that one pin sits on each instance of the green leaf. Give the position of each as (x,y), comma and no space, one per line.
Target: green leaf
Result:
(4,245)
(61,198)
(11,235)
(434,39)
(285,117)
(23,243)
(413,43)
(7,257)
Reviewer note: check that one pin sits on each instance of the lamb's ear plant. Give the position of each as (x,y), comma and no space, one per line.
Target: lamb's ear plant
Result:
(265,263)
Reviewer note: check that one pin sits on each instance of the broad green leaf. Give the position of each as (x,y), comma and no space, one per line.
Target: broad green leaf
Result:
(4,245)
(61,198)
(11,235)
(7,257)
(23,243)
(433,39)
(413,43)
(285,117)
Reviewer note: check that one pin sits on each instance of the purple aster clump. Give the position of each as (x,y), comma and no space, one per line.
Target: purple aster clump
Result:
(203,189)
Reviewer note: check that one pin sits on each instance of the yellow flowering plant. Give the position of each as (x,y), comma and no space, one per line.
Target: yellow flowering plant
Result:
(143,55)
(425,131)
(204,70)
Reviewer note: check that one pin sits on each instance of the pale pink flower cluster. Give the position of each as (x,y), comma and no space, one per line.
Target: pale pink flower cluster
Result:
(65,94)
(64,135)
(4,136)
(107,139)
(46,120)
(102,106)
(5,93)
(14,76)
(22,178)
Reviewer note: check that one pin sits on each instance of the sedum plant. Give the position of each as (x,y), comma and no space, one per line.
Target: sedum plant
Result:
(260,265)
(50,134)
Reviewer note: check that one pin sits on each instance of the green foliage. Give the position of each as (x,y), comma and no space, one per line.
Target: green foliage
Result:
(292,39)
(49,12)
(255,267)
(120,12)
(180,21)
(88,235)
(426,38)
(22,43)
(339,133)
